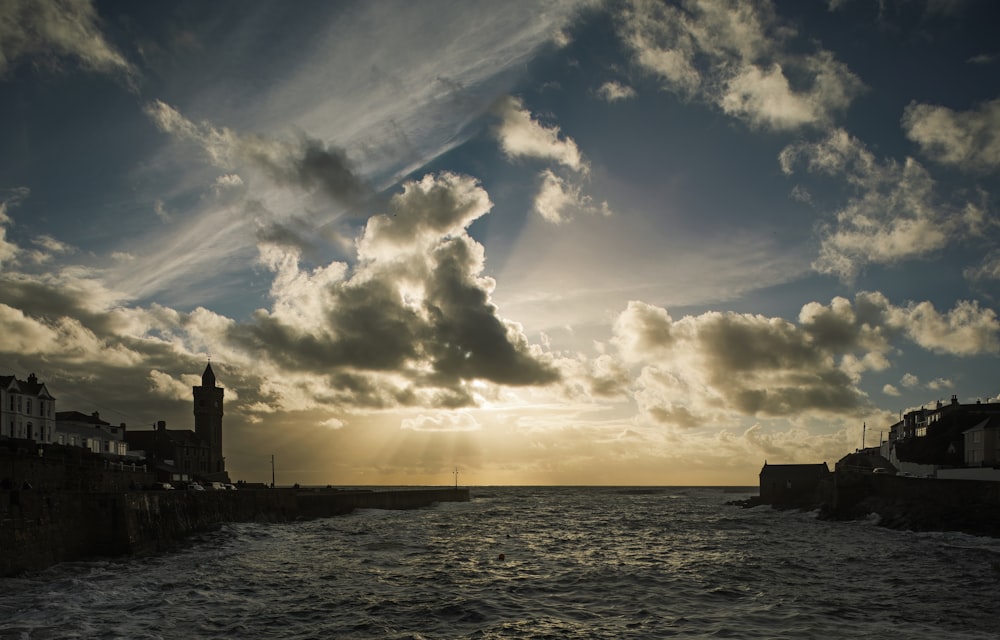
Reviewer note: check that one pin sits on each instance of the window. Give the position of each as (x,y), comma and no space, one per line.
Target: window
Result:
(11,396)
(19,404)
(27,406)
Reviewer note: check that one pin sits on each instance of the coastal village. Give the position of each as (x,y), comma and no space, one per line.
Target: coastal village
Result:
(75,486)
(937,469)
(159,458)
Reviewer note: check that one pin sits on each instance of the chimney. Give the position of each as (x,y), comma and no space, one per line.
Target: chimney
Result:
(96,415)
(161,425)
(32,378)
(954,399)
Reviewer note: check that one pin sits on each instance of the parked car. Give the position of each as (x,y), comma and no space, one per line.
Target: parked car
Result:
(216,486)
(230,487)
(161,486)
(194,486)
(880,470)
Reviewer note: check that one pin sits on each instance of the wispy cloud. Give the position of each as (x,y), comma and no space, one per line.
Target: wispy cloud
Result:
(739,56)
(53,29)
(893,213)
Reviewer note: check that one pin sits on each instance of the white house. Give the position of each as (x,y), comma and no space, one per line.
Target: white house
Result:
(27,409)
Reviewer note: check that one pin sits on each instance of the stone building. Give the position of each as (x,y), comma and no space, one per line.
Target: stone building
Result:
(185,454)
(27,409)
(178,453)
(208,419)
(791,484)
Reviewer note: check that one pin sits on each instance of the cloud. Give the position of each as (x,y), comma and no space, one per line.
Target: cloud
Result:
(614,91)
(451,421)
(521,136)
(987,270)
(892,215)
(304,164)
(890,390)
(909,380)
(715,368)
(414,315)
(557,200)
(940,383)
(9,198)
(966,139)
(50,29)
(740,57)
(965,330)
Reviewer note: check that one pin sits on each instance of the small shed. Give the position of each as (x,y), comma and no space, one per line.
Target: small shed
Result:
(791,484)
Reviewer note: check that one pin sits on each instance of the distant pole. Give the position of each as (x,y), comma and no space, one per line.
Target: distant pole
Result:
(456,476)
(272,470)
(864,427)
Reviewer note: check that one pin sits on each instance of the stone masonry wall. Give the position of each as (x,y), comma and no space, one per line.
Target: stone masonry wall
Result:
(39,528)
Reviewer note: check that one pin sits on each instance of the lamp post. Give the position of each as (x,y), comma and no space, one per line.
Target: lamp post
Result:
(272,470)
(455,473)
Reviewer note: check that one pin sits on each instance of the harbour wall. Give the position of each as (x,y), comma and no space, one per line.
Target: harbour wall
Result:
(918,504)
(40,528)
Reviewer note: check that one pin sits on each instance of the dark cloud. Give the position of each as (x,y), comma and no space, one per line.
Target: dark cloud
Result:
(314,166)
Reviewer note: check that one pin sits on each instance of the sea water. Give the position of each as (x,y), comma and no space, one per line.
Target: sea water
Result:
(531,563)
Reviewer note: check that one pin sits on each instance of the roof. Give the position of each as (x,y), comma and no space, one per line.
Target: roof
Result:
(31,386)
(786,470)
(989,423)
(77,416)
(208,377)
(147,439)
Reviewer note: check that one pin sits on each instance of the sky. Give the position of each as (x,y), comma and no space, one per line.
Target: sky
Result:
(536,242)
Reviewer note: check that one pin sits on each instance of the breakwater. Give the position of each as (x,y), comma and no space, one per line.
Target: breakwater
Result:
(40,528)
(918,504)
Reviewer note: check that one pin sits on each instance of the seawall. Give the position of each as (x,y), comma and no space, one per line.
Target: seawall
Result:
(40,528)
(919,504)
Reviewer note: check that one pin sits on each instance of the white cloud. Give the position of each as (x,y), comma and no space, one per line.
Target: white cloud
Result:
(967,139)
(893,214)
(558,201)
(613,91)
(521,136)
(890,390)
(909,380)
(968,329)
(57,28)
(737,56)
(938,384)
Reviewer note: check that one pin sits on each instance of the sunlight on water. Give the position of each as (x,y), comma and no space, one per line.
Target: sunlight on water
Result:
(530,563)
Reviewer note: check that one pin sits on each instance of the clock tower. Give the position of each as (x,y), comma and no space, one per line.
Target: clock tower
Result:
(208,421)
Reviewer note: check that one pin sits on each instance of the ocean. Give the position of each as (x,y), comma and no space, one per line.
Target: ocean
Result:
(531,562)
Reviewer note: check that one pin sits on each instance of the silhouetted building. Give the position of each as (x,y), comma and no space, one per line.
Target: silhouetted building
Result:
(791,484)
(78,429)
(208,419)
(186,454)
(982,443)
(178,452)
